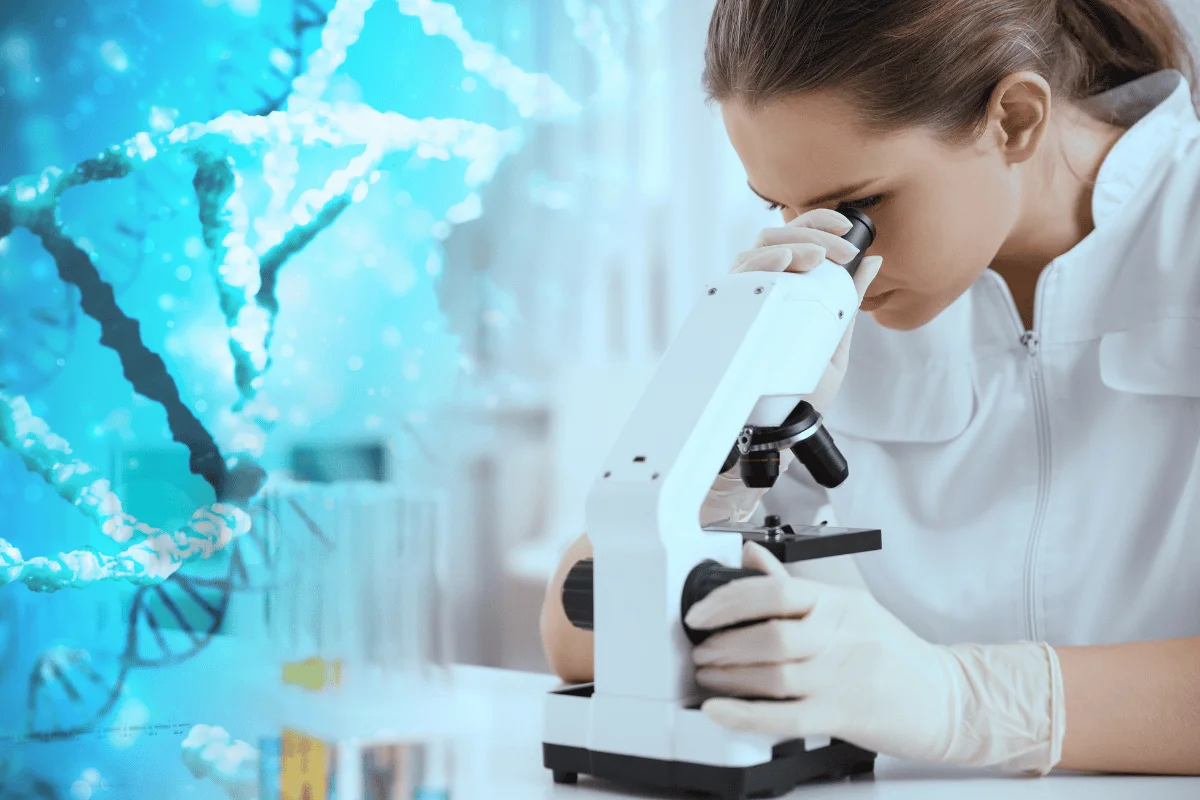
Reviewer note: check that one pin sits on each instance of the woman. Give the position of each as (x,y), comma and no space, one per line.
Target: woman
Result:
(1021,410)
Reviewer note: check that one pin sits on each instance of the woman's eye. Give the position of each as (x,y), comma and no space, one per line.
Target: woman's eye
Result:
(865,203)
(773,206)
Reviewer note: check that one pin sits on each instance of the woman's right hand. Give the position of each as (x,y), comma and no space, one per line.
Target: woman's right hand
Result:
(800,246)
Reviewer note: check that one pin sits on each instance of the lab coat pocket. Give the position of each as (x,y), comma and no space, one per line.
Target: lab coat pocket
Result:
(931,405)
(1158,358)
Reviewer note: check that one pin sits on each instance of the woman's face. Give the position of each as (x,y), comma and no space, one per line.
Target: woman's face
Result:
(942,212)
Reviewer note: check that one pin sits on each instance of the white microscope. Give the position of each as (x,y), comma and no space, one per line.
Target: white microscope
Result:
(754,345)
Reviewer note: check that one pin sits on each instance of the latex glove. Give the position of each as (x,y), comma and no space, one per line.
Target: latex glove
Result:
(863,677)
(800,246)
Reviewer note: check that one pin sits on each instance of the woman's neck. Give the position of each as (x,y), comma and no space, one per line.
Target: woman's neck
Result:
(1057,203)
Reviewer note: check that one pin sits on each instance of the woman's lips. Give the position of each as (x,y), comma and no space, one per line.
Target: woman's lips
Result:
(875,302)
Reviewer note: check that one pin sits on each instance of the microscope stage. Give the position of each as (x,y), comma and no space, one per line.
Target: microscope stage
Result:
(791,543)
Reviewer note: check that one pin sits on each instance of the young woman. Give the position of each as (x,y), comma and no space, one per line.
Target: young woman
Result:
(1021,408)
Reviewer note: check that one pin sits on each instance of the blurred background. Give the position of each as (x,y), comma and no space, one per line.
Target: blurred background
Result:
(434,246)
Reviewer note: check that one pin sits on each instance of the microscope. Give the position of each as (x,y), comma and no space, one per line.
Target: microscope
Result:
(753,347)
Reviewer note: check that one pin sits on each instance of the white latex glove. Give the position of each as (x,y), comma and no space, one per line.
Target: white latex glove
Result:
(863,677)
(801,245)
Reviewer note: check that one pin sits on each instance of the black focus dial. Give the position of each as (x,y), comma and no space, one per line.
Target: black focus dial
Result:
(577,595)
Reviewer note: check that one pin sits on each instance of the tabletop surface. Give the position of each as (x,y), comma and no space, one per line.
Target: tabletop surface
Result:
(511,763)
(496,716)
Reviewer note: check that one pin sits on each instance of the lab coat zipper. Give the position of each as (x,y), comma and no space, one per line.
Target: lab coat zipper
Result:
(1032,343)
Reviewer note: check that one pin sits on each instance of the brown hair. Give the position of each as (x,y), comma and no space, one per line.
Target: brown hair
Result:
(934,63)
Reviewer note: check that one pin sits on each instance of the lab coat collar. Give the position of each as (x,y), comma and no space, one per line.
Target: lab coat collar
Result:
(1132,269)
(1154,108)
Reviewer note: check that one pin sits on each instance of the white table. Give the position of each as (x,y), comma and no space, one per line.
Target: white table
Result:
(501,760)
(498,755)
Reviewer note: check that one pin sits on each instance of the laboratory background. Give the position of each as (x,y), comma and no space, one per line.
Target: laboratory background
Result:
(339,304)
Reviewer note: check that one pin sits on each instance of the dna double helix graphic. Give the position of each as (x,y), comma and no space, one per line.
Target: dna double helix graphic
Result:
(270,86)
(70,693)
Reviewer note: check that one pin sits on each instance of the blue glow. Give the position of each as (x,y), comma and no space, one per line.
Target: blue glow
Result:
(221,232)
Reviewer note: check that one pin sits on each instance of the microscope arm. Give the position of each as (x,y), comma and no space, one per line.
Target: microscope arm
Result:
(753,347)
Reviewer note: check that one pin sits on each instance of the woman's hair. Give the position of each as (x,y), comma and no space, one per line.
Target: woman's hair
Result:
(934,63)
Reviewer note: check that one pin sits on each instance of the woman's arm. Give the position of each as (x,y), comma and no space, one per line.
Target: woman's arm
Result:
(569,650)
(1132,707)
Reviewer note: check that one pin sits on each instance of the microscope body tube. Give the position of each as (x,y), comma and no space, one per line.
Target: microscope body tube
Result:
(751,335)
(771,410)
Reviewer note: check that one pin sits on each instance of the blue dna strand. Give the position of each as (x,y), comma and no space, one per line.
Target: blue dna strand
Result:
(70,693)
(37,324)
(17,783)
(8,632)
(174,614)
(147,206)
(269,88)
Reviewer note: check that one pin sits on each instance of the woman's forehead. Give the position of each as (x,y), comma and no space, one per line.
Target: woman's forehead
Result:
(805,145)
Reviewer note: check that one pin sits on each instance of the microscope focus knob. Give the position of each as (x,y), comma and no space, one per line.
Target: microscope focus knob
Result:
(577,595)
(705,578)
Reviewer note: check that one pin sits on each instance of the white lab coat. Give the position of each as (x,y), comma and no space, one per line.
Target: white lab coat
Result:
(1044,485)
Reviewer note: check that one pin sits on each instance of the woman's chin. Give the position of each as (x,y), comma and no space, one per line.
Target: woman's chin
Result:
(898,316)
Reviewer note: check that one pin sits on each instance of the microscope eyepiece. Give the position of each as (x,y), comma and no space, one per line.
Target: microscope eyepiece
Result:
(861,235)
(757,449)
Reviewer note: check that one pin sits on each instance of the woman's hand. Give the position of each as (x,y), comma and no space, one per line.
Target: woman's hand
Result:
(800,246)
(842,666)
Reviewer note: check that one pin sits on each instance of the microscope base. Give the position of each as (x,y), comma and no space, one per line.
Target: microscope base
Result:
(791,765)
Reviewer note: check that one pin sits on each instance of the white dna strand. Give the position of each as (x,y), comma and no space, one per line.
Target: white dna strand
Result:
(69,693)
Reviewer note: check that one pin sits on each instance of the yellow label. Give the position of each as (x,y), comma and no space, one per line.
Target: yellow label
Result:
(304,770)
(313,673)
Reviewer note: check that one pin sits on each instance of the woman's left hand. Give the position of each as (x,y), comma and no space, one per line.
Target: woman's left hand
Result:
(840,665)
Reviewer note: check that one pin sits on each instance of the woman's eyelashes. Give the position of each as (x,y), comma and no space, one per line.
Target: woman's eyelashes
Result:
(860,205)
(865,203)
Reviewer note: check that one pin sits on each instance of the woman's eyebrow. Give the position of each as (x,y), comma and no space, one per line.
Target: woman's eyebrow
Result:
(825,198)
(762,197)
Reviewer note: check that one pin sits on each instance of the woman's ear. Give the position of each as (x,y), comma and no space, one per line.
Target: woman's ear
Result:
(1019,113)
